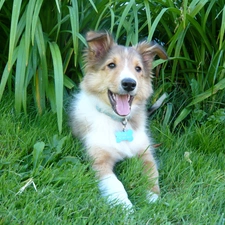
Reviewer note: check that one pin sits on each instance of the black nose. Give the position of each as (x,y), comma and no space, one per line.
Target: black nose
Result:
(128,84)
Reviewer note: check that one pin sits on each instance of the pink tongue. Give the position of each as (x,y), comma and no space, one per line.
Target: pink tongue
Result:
(122,105)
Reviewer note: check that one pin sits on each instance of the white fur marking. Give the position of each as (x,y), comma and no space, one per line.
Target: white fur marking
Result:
(126,73)
(152,197)
(113,189)
(101,129)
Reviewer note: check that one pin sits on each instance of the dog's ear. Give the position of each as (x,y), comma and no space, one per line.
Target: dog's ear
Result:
(149,50)
(99,43)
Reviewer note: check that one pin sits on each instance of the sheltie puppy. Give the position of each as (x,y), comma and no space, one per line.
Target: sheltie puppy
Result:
(109,112)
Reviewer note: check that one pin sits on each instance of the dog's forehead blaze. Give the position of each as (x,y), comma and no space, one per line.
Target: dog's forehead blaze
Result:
(125,56)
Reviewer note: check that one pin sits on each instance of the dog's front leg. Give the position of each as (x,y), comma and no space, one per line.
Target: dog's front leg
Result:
(109,186)
(150,168)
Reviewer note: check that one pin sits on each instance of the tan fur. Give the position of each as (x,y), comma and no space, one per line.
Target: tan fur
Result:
(98,79)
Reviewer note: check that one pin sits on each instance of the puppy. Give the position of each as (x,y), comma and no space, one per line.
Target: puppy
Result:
(109,112)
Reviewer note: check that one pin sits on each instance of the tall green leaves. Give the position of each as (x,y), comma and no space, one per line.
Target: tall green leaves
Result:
(29,47)
(206,45)
(41,51)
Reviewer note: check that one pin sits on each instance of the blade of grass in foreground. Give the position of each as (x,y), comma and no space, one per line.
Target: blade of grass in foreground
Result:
(58,77)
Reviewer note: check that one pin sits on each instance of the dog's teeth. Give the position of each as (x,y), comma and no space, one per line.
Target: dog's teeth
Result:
(114,96)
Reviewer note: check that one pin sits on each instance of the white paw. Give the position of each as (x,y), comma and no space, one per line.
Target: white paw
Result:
(152,197)
(113,189)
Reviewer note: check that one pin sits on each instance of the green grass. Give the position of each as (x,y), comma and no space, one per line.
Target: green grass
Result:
(191,165)
(42,41)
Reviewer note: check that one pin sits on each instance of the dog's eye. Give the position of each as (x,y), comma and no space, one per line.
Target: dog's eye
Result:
(111,65)
(138,69)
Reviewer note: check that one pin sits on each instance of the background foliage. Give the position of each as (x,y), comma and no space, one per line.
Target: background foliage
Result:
(41,46)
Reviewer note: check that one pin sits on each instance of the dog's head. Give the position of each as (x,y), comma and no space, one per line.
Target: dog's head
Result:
(119,76)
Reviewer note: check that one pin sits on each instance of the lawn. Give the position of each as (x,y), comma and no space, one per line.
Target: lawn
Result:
(63,189)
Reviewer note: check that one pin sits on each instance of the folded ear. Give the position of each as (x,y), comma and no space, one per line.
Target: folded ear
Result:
(99,43)
(149,50)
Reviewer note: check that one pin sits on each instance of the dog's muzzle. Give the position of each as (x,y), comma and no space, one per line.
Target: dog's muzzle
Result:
(121,103)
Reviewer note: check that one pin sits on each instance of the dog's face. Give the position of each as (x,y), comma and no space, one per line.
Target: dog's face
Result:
(119,76)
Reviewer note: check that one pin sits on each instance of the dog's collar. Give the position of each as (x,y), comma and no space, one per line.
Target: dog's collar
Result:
(114,117)
(124,135)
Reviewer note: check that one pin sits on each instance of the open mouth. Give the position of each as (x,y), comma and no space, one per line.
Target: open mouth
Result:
(121,104)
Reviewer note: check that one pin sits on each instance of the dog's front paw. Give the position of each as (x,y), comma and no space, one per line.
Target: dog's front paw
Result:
(152,197)
(113,189)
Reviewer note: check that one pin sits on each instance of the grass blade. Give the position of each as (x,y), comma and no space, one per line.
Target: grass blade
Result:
(41,44)
(13,30)
(136,23)
(167,118)
(201,32)
(123,17)
(112,19)
(6,73)
(20,89)
(148,14)
(1,3)
(100,18)
(93,5)
(51,96)
(58,77)
(196,6)
(37,154)
(184,113)
(58,3)
(155,24)
(222,29)
(41,77)
(29,16)
(74,19)
(35,19)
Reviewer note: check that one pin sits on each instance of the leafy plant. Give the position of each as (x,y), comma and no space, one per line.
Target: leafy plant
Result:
(41,46)
(44,154)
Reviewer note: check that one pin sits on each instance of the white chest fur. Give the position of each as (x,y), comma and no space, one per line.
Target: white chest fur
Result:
(101,128)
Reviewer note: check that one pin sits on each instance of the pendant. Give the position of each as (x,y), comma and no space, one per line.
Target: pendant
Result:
(125,135)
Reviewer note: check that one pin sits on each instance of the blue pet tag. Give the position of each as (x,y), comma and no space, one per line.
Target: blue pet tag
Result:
(126,135)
